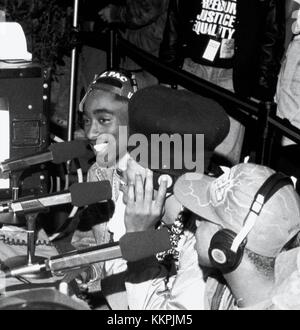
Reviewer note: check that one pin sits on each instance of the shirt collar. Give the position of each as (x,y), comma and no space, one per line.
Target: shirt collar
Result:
(121,164)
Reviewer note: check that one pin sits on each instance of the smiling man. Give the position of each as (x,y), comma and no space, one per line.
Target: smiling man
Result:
(105,110)
(152,110)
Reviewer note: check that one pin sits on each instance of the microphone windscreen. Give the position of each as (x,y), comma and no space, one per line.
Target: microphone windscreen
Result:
(144,244)
(87,193)
(65,151)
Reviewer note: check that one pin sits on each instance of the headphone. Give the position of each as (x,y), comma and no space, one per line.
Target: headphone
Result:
(227,247)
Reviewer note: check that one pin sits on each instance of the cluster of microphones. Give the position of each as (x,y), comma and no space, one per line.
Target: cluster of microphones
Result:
(131,247)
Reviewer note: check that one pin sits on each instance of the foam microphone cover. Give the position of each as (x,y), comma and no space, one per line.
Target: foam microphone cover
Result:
(144,244)
(65,151)
(87,193)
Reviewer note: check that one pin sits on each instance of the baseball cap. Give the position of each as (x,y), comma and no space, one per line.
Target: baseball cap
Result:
(226,201)
(120,82)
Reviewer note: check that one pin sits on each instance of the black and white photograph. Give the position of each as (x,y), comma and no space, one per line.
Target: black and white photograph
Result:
(149,158)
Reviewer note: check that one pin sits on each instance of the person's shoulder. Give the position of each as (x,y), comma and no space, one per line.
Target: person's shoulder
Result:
(286,292)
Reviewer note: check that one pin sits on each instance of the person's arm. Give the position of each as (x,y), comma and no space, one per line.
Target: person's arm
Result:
(171,48)
(150,287)
(271,49)
(135,14)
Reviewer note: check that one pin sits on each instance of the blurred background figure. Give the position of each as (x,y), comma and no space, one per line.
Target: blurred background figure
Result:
(142,22)
(236,45)
(288,91)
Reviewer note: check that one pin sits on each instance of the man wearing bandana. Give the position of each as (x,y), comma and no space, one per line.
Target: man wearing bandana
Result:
(153,110)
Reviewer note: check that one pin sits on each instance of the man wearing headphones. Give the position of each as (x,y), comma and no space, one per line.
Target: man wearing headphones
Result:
(244,219)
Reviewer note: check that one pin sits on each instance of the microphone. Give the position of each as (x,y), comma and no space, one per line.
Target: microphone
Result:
(139,245)
(79,194)
(57,153)
(131,247)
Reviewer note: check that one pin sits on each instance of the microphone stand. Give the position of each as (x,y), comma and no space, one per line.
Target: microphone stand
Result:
(14,179)
(72,93)
(30,258)
(131,247)
(31,237)
(31,219)
(73,76)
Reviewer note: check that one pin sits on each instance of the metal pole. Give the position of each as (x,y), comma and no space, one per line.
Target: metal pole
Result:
(266,109)
(73,76)
(31,236)
(112,54)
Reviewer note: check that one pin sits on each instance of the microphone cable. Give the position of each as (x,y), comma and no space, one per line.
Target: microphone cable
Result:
(79,172)
(80,179)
